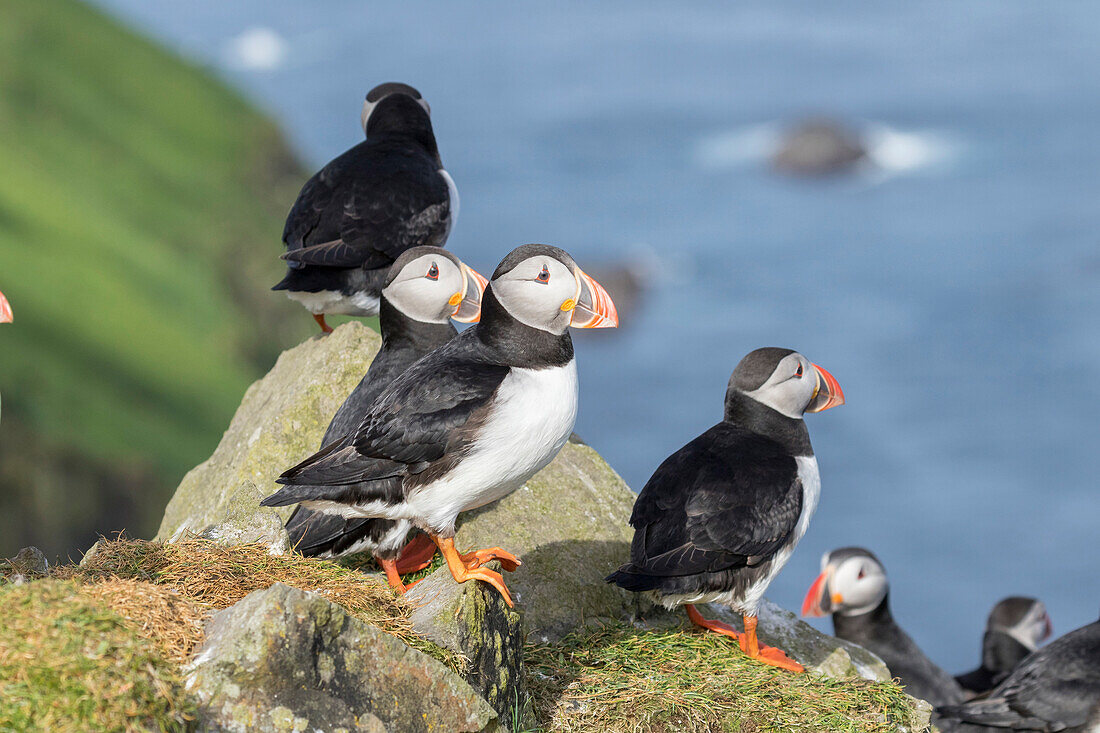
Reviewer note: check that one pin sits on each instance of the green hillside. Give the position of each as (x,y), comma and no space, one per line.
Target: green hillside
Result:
(141,204)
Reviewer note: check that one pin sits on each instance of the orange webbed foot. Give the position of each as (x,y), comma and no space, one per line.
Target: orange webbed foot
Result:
(416,555)
(778,658)
(717,627)
(477,558)
(462,573)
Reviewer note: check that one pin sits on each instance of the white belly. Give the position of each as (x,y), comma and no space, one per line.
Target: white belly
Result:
(336,303)
(532,419)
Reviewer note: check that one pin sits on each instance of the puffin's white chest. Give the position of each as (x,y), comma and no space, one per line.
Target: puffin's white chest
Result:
(336,303)
(532,417)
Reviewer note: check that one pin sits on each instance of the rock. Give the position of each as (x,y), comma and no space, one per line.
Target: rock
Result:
(280,422)
(28,564)
(287,660)
(818,147)
(569,526)
(472,619)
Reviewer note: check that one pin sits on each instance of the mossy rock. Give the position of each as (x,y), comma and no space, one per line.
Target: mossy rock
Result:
(286,660)
(280,422)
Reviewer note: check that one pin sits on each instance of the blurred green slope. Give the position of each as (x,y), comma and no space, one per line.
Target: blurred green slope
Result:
(141,204)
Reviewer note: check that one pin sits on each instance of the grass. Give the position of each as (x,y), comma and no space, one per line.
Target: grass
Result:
(67,663)
(619,679)
(140,213)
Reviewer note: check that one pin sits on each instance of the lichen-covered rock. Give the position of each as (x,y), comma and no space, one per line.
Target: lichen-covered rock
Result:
(28,564)
(569,526)
(286,660)
(280,422)
(472,619)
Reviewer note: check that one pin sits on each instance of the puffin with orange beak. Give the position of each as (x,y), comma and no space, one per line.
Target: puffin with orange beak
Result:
(426,289)
(853,587)
(473,420)
(720,517)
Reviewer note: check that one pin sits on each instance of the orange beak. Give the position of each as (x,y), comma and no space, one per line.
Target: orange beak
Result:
(5,310)
(594,307)
(828,392)
(468,305)
(817,601)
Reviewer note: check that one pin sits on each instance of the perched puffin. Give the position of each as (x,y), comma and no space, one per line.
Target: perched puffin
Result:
(1016,627)
(361,211)
(853,586)
(473,420)
(426,288)
(1056,688)
(721,516)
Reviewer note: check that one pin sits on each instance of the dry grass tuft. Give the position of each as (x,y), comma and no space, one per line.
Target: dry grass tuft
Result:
(212,576)
(621,679)
(157,613)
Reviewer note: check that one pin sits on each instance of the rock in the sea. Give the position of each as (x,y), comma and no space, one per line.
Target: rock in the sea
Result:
(818,147)
(286,660)
(569,526)
(473,619)
(279,423)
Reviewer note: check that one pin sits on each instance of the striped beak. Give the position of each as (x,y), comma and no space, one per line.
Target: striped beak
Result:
(5,310)
(594,307)
(818,601)
(468,303)
(827,393)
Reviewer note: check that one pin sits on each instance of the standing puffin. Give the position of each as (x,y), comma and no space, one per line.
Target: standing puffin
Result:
(427,287)
(473,420)
(853,586)
(1055,689)
(361,211)
(1016,627)
(719,518)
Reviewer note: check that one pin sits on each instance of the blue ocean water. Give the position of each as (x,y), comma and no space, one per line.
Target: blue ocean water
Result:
(952,287)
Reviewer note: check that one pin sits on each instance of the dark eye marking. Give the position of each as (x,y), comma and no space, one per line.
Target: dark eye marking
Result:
(433,272)
(861,573)
(544,276)
(798,372)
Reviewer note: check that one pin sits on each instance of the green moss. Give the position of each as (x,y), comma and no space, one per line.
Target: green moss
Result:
(69,664)
(621,679)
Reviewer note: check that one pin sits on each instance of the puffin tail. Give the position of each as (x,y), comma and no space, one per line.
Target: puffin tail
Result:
(631,578)
(294,494)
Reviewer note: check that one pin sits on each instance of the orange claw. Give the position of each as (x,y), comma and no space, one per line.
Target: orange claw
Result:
(461,573)
(416,555)
(477,558)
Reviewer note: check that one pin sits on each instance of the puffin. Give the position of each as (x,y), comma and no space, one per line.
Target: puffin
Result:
(1015,628)
(470,422)
(1056,688)
(853,587)
(720,517)
(426,289)
(356,215)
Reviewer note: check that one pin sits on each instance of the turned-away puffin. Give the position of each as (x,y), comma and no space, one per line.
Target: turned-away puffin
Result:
(427,287)
(361,211)
(1057,688)
(853,587)
(473,420)
(1015,628)
(720,517)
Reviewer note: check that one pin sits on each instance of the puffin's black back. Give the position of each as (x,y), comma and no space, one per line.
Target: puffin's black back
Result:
(877,632)
(1056,688)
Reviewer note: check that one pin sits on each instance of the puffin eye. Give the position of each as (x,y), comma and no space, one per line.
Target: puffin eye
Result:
(798,373)
(433,272)
(861,573)
(544,276)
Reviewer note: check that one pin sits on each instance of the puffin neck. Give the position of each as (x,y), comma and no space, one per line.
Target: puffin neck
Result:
(398,330)
(1001,652)
(847,627)
(789,432)
(517,344)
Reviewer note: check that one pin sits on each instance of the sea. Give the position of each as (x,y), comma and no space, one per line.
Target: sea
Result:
(951,282)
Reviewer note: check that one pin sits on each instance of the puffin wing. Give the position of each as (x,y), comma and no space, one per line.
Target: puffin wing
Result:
(431,410)
(365,208)
(726,499)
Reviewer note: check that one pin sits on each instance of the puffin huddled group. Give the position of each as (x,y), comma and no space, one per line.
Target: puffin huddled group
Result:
(445,422)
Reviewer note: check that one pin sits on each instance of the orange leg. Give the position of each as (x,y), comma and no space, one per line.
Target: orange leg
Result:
(394,577)
(766,654)
(461,573)
(416,555)
(320,318)
(477,558)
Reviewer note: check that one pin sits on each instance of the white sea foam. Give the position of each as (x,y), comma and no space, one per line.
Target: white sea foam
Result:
(256,49)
